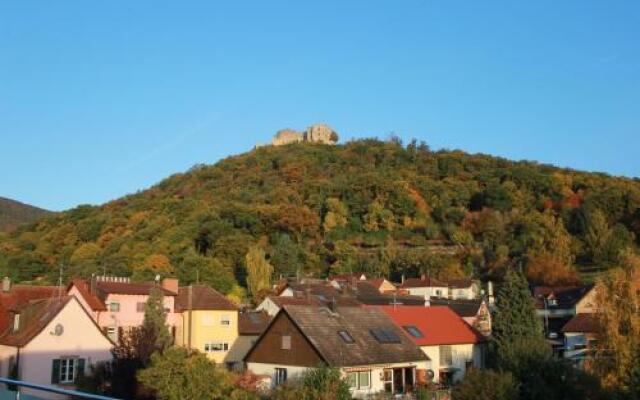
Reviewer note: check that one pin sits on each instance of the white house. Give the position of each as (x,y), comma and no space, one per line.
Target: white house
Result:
(51,341)
(450,343)
(371,352)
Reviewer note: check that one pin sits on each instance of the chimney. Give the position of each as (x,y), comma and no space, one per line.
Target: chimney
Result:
(402,279)
(16,321)
(170,284)
(93,284)
(423,277)
(427,300)
(6,284)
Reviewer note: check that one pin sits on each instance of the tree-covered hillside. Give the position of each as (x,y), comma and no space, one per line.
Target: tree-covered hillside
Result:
(13,213)
(368,205)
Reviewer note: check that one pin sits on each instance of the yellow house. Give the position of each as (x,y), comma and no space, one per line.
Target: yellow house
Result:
(208,323)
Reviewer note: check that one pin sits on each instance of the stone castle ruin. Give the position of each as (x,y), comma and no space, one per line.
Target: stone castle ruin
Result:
(319,133)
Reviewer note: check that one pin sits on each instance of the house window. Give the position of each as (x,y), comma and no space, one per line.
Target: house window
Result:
(384,335)
(280,376)
(114,306)
(140,306)
(286,342)
(553,302)
(112,333)
(65,370)
(225,321)
(216,347)
(346,337)
(446,356)
(413,331)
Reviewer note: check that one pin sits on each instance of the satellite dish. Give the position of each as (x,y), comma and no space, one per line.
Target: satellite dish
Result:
(58,330)
(430,374)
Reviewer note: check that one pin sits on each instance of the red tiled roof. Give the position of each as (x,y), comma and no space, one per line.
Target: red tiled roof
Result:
(92,300)
(581,323)
(439,325)
(20,295)
(419,282)
(203,298)
(346,277)
(34,317)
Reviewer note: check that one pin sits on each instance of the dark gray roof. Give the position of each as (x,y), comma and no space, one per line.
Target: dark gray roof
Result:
(321,327)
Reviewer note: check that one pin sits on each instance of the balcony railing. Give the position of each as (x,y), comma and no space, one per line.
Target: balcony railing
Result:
(6,394)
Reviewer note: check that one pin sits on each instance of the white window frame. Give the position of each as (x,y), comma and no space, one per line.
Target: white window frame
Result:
(117,304)
(225,321)
(280,376)
(355,380)
(68,369)
(216,347)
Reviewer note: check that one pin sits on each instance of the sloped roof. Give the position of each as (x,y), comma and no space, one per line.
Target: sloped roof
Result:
(130,288)
(321,326)
(91,299)
(420,282)
(439,325)
(203,298)
(314,300)
(20,295)
(34,317)
(462,307)
(252,322)
(377,282)
(462,283)
(566,296)
(585,322)
(347,277)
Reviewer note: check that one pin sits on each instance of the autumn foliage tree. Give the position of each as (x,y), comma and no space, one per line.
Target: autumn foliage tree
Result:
(259,271)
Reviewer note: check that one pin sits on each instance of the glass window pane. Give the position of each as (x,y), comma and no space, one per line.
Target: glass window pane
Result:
(364,379)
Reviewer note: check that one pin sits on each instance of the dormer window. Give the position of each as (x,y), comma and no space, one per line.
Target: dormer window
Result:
(552,302)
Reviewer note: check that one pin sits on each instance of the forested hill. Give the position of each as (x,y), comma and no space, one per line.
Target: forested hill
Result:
(368,205)
(14,213)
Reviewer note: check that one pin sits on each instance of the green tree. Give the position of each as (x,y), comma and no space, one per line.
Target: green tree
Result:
(517,337)
(154,326)
(597,237)
(486,385)
(287,258)
(196,268)
(259,271)
(336,215)
(177,374)
(321,383)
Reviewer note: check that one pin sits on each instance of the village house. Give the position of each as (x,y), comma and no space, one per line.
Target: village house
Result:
(207,321)
(580,337)
(116,304)
(251,324)
(424,286)
(50,340)
(463,289)
(476,312)
(451,344)
(383,285)
(340,281)
(557,305)
(371,352)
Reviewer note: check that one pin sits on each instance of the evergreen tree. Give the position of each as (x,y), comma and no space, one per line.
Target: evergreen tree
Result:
(517,340)
(154,326)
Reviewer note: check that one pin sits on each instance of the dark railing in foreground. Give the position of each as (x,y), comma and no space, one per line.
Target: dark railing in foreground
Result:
(74,394)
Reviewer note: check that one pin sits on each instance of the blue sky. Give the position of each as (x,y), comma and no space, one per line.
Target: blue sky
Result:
(100,99)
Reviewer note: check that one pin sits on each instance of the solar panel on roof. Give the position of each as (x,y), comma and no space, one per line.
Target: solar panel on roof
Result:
(384,335)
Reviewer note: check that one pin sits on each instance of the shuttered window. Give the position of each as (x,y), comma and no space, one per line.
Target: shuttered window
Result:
(66,370)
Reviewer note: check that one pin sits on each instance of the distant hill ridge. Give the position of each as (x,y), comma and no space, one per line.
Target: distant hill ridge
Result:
(366,205)
(14,213)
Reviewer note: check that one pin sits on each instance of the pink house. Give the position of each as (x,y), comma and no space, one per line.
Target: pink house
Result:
(47,340)
(117,304)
